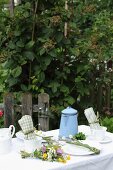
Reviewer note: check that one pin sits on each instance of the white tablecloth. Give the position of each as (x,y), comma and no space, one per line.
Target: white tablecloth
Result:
(103,161)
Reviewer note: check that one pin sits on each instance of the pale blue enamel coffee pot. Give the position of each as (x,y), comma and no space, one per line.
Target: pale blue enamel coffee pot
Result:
(68,122)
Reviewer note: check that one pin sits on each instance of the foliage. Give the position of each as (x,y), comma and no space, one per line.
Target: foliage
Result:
(3,76)
(80,136)
(108,122)
(73,69)
(2,2)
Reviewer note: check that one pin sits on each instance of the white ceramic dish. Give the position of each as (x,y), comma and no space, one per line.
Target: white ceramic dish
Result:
(79,150)
(106,139)
(20,135)
(6,135)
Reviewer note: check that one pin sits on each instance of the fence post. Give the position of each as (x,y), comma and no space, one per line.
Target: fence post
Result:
(8,109)
(11,7)
(43,116)
(27,104)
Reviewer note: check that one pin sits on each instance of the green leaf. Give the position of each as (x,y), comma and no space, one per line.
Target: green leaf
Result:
(52,53)
(70,100)
(41,40)
(66,41)
(42,51)
(47,61)
(41,76)
(30,44)
(59,36)
(24,87)
(17,33)
(11,45)
(28,5)
(54,85)
(73,25)
(29,55)
(64,89)
(2,88)
(20,43)
(67,69)
(8,64)
(79,79)
(12,81)
(16,71)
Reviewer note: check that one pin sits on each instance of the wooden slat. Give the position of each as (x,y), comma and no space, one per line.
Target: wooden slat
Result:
(8,109)
(27,104)
(11,7)
(43,100)
(43,117)
(43,123)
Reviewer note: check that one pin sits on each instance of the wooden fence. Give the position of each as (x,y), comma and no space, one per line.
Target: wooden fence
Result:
(26,107)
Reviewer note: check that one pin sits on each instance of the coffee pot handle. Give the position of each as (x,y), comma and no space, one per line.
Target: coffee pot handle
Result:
(12,130)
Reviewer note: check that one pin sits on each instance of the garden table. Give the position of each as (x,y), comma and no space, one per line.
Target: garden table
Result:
(103,161)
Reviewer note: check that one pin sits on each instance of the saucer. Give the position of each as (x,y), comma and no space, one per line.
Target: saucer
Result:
(107,139)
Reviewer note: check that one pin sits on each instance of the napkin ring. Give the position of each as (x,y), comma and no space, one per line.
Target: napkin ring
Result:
(30,131)
(97,121)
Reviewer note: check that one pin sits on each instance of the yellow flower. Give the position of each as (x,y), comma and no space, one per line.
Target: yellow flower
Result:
(68,157)
(44,155)
(64,161)
(60,160)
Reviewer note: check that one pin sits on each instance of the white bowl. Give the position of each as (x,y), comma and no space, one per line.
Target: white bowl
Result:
(99,134)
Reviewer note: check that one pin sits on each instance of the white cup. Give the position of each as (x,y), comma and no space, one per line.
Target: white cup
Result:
(6,135)
(99,134)
(30,145)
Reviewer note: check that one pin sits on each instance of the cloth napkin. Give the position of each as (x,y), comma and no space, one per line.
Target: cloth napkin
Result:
(92,118)
(27,127)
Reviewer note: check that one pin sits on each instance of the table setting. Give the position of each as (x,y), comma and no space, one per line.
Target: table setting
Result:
(71,145)
(66,140)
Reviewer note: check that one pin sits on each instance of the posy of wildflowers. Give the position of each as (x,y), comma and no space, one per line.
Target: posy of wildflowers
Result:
(48,153)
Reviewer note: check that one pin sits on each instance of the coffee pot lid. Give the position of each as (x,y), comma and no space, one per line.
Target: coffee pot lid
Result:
(69,110)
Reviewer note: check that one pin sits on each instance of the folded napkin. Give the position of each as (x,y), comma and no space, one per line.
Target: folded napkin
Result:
(92,118)
(92,149)
(27,127)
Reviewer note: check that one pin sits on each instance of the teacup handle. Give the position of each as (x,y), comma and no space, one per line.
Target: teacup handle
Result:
(12,130)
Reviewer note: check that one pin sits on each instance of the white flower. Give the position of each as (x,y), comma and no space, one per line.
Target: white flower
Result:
(63,137)
(52,150)
(49,156)
(70,136)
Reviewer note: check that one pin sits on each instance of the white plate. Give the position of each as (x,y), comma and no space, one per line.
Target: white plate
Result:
(107,139)
(79,150)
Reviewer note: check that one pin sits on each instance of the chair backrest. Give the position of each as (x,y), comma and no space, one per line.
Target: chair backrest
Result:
(27,107)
